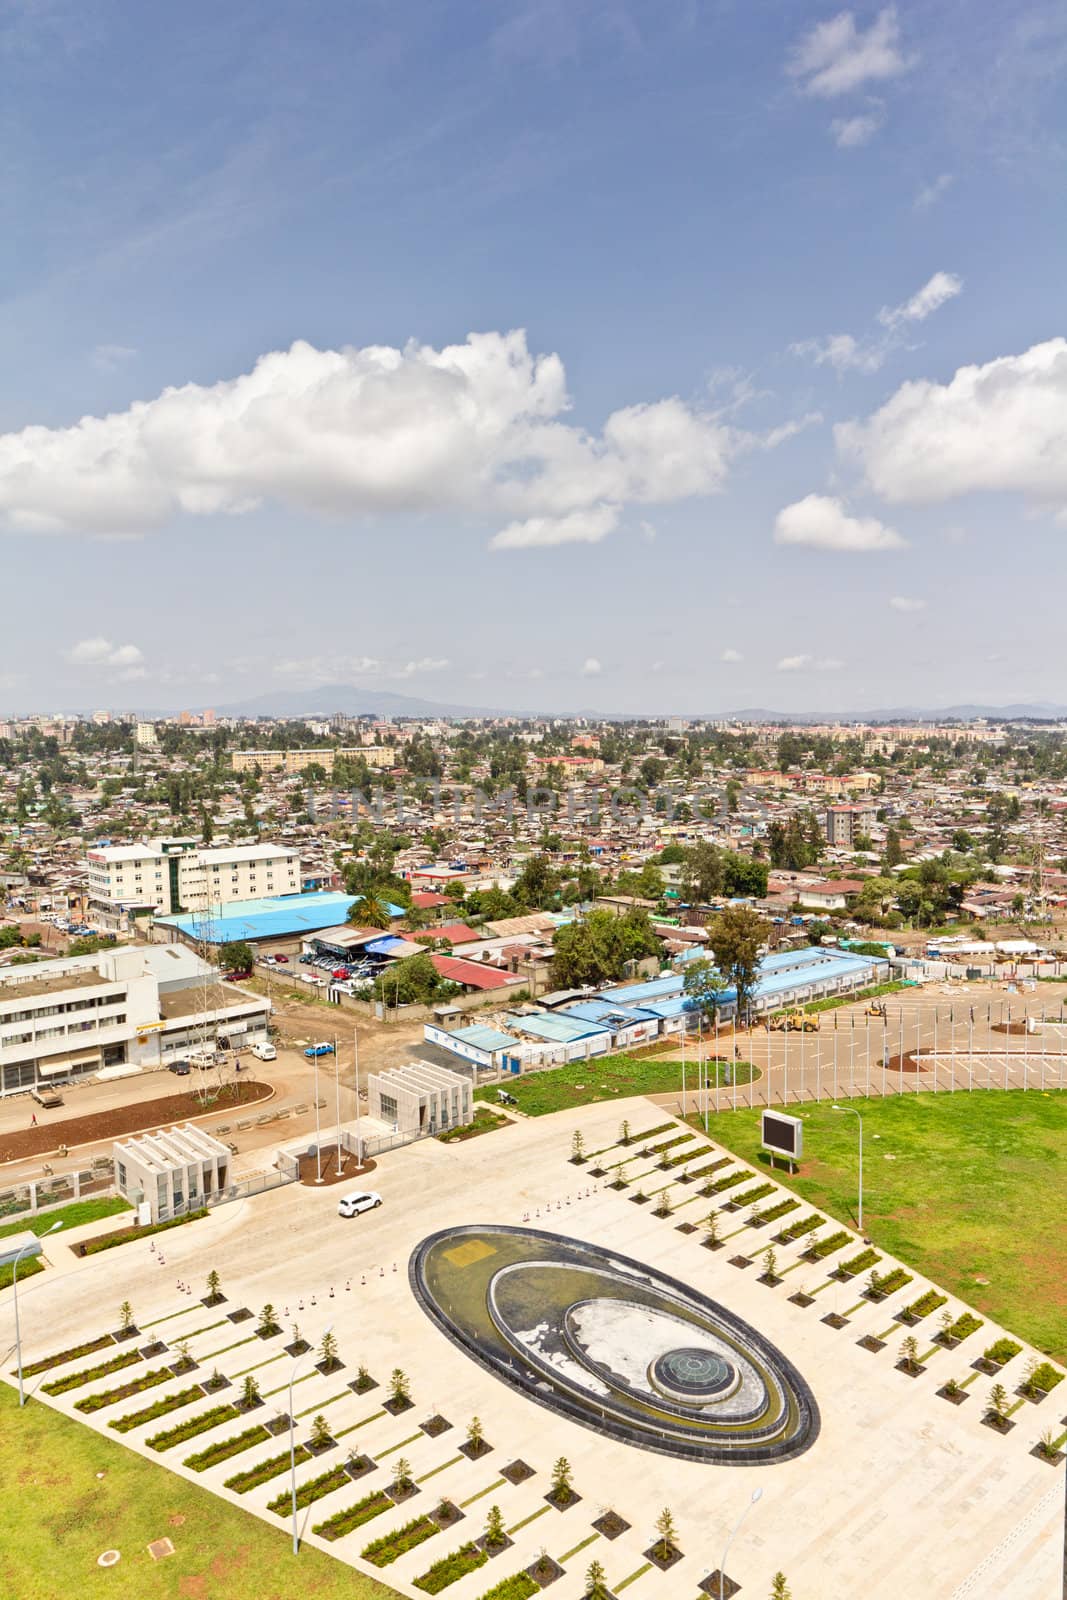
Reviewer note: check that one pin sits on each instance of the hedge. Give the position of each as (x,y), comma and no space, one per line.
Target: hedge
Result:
(191,1427)
(518,1587)
(860,1263)
(750,1196)
(107,1397)
(1046,1376)
(342,1522)
(307,1493)
(93,1246)
(252,1477)
(74,1380)
(963,1326)
(468,1558)
(391,1546)
(1001,1350)
(803,1225)
(772,1213)
(928,1302)
(223,1449)
(184,1397)
(821,1248)
(62,1356)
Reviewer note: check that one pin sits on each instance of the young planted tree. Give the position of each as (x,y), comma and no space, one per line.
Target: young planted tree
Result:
(780,1589)
(770,1262)
(909,1353)
(328,1357)
(268,1322)
(624,1132)
(712,1227)
(320,1433)
(998,1404)
(665,1207)
(214,1288)
(185,1355)
(577,1146)
(475,1436)
(363,1378)
(596,1587)
(944,1323)
(399,1389)
(249,1392)
(402,1479)
(562,1485)
(667,1534)
(622,1174)
(495,1532)
(125,1317)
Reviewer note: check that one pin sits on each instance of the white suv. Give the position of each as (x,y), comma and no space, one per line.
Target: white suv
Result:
(359,1200)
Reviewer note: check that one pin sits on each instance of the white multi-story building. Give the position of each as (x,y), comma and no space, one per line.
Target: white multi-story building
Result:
(166,876)
(138,1006)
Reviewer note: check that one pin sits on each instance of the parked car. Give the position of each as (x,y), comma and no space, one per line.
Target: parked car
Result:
(264,1052)
(339,972)
(46,1097)
(350,1205)
(181,1068)
(283,961)
(323,1048)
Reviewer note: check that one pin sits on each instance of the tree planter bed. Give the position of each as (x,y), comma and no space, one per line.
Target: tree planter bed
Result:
(211,1300)
(686,1227)
(299,1347)
(712,1244)
(541,1574)
(342,1522)
(156,1348)
(611,1525)
(741,1262)
(190,1428)
(801,1299)
(770,1279)
(327,1368)
(517,1472)
(363,1385)
(277,1425)
(639,1199)
(998,1426)
(493,1550)
(475,1450)
(63,1356)
(74,1380)
(446,1514)
(468,1558)
(242,1314)
(107,1397)
(869,1342)
(835,1320)
(263,1471)
(715,1584)
(384,1551)
(435,1426)
(663,1559)
(320,1449)
(956,1399)
(1051,1458)
(910,1369)
(185,1397)
(215,1385)
(573,1499)
(360,1467)
(398,1495)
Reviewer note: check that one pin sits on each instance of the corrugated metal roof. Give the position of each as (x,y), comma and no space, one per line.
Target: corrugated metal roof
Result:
(470,973)
(480,1037)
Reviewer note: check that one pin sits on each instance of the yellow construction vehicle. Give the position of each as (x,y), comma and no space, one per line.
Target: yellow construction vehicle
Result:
(777,1022)
(802,1022)
(876,1009)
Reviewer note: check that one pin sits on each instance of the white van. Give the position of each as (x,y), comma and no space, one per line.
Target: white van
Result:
(265,1051)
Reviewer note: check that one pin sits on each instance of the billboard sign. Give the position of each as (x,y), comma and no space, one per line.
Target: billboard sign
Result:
(782,1135)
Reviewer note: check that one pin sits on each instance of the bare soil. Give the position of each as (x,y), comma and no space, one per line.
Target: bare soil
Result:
(309,1168)
(45,1139)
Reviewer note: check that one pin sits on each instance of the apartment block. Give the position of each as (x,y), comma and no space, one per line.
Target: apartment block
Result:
(292,761)
(166,876)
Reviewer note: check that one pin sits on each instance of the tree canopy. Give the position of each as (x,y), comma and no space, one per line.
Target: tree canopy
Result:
(735,939)
(600,947)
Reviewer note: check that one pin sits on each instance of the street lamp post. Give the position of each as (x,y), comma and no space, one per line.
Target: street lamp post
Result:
(757,1494)
(852,1110)
(15,1294)
(292,1441)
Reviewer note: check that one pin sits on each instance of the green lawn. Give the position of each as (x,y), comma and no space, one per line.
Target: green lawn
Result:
(580,1083)
(965,1187)
(59,1516)
(72,1216)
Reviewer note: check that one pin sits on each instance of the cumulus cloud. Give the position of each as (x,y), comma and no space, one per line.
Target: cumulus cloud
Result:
(850,132)
(822,522)
(845,353)
(808,663)
(996,428)
(591,667)
(931,192)
(906,603)
(477,428)
(98,652)
(924,302)
(836,57)
(731,656)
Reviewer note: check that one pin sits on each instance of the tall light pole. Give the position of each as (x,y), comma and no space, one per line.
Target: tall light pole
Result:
(337,1098)
(853,1112)
(757,1494)
(318,1130)
(292,1440)
(15,1293)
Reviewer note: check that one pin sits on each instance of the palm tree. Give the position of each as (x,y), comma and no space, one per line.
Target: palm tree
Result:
(370,911)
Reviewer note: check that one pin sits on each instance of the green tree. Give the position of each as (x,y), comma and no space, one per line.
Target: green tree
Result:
(562,1486)
(320,1432)
(780,1589)
(735,938)
(369,911)
(495,1531)
(399,1388)
(667,1532)
(249,1392)
(596,1587)
(236,955)
(599,948)
(703,985)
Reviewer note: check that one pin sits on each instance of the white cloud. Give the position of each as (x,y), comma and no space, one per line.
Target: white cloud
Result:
(731,656)
(821,522)
(842,352)
(807,663)
(924,302)
(425,664)
(98,652)
(340,668)
(579,527)
(931,192)
(477,428)
(906,603)
(851,132)
(835,57)
(591,667)
(997,428)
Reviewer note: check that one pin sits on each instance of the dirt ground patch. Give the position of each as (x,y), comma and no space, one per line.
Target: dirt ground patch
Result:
(120,1120)
(309,1167)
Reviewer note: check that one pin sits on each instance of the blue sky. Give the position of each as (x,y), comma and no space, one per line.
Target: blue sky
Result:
(765,403)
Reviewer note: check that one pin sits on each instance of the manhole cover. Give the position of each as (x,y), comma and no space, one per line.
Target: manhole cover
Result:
(108,1559)
(160,1548)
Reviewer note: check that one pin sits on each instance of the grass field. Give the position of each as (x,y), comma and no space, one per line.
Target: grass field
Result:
(969,1188)
(581,1083)
(59,1515)
(72,1216)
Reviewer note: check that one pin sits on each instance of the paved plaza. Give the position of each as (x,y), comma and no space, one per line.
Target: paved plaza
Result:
(900,1492)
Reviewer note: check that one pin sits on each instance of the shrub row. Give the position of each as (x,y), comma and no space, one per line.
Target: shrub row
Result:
(722,1184)
(772,1213)
(134,1419)
(252,1477)
(757,1192)
(889,1282)
(518,1587)
(191,1427)
(860,1263)
(107,1397)
(819,1249)
(1045,1376)
(61,1356)
(74,1380)
(668,1144)
(223,1449)
(930,1301)
(342,1522)
(963,1326)
(1002,1350)
(803,1225)
(689,1155)
(93,1246)
(468,1558)
(312,1490)
(391,1546)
